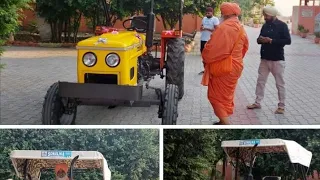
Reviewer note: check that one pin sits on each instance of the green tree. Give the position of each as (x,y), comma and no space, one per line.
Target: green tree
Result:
(169,9)
(188,152)
(63,16)
(264,2)
(115,10)
(9,19)
(131,154)
(246,8)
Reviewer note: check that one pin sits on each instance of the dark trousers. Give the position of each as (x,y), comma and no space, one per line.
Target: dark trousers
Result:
(203,44)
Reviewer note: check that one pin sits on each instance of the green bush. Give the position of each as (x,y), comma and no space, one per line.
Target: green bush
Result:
(32,27)
(9,19)
(50,45)
(300,28)
(256,21)
(27,37)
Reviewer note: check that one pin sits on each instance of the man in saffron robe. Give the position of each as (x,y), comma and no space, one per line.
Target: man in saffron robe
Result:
(232,41)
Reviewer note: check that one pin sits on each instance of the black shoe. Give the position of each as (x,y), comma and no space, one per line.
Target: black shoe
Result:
(201,73)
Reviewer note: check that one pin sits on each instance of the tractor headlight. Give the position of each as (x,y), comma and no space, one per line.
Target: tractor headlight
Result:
(112,60)
(89,59)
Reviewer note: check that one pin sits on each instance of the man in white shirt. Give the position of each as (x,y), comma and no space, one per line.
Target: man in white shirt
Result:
(209,23)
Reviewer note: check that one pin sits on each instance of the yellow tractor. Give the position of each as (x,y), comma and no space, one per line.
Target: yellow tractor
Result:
(114,66)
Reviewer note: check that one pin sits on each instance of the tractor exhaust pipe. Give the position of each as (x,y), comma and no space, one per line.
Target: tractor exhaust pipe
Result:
(150,27)
(71,175)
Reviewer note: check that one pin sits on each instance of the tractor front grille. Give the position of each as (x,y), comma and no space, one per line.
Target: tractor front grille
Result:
(101,78)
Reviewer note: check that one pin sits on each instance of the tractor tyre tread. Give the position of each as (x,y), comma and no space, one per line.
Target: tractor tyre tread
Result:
(51,107)
(175,64)
(170,105)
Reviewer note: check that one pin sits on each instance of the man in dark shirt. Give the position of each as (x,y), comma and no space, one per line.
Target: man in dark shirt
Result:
(273,37)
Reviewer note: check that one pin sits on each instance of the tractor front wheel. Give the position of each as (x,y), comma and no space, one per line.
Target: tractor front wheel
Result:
(175,64)
(170,105)
(53,111)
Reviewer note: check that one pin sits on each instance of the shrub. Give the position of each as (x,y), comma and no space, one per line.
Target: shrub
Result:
(300,28)
(32,27)
(256,21)
(27,37)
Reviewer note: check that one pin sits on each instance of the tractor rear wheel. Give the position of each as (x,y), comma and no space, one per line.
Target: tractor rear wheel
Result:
(175,64)
(53,109)
(170,105)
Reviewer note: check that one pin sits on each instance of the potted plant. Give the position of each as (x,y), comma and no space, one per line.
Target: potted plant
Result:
(300,28)
(317,38)
(304,33)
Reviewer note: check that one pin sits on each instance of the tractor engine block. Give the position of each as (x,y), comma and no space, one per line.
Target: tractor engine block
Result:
(148,66)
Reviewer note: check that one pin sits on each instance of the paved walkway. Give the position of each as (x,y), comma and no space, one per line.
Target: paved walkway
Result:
(30,71)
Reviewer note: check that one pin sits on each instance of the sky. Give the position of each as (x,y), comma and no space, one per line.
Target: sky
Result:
(285,6)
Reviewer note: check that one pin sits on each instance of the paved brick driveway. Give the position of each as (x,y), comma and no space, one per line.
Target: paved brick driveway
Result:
(30,71)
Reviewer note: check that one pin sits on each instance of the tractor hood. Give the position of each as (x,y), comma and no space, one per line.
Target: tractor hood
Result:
(116,40)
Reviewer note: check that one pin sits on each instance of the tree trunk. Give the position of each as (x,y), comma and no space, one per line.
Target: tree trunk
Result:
(52,32)
(172,23)
(65,31)
(60,27)
(163,21)
(69,29)
(53,26)
(93,28)
(224,166)
(76,27)
(213,174)
(114,21)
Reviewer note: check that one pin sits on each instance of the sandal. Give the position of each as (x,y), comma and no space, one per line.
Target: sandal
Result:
(254,106)
(280,111)
(201,73)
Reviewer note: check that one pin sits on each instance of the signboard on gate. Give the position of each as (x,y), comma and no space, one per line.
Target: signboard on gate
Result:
(317,23)
(56,154)
(307,13)
(249,142)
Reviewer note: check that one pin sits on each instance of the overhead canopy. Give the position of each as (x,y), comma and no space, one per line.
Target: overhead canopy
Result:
(38,160)
(296,153)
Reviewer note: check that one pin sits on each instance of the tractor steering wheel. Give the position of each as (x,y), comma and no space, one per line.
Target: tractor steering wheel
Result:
(132,28)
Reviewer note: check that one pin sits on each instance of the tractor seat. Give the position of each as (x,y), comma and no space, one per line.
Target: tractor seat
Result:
(140,23)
